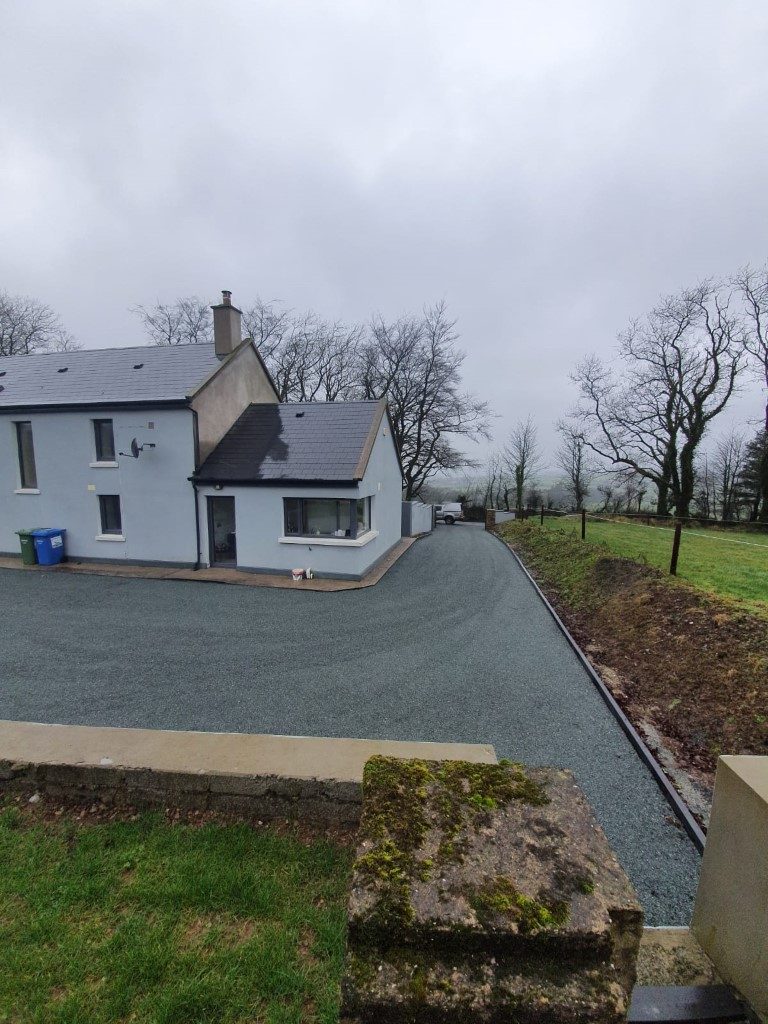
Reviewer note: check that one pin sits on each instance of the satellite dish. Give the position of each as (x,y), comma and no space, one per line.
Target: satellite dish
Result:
(136,449)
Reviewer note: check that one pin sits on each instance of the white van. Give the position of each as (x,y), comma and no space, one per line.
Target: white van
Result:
(449,513)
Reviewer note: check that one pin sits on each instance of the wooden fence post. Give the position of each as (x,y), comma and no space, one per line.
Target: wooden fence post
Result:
(675,548)
(542,515)
(583,524)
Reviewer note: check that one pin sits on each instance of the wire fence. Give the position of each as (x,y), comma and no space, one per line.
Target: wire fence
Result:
(677,527)
(650,519)
(653,519)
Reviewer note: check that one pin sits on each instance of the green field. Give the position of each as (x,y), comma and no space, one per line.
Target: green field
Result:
(146,921)
(731,564)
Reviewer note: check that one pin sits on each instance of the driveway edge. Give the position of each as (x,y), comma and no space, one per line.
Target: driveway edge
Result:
(673,798)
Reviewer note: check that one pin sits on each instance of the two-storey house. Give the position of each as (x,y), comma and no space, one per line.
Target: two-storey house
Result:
(183,455)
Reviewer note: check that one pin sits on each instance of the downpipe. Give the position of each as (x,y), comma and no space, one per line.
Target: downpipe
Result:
(196,566)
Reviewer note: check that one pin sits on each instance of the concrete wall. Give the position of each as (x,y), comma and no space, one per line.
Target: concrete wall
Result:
(417,518)
(259,521)
(256,775)
(730,917)
(240,383)
(157,500)
(504,517)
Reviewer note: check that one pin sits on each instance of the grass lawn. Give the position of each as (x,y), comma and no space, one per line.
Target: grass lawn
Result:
(146,921)
(727,563)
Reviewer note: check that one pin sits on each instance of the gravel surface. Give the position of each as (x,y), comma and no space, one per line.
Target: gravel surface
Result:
(452,645)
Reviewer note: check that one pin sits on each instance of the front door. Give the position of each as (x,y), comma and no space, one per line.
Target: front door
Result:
(221,531)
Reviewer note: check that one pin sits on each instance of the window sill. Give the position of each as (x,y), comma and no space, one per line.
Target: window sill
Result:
(104,465)
(116,538)
(336,542)
(27,490)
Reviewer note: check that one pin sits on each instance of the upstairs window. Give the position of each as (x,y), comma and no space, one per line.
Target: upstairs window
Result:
(27,470)
(104,436)
(327,517)
(111,516)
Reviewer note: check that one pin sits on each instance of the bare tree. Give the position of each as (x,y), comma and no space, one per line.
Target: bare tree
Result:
(678,369)
(753,479)
(753,286)
(268,324)
(415,364)
(577,461)
(521,457)
(612,494)
(727,468)
(28,325)
(184,322)
(704,493)
(310,359)
(496,483)
(632,490)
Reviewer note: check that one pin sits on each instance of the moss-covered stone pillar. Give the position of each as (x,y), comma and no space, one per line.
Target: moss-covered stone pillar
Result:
(485,893)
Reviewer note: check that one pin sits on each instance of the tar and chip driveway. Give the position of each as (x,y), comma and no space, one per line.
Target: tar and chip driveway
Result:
(453,644)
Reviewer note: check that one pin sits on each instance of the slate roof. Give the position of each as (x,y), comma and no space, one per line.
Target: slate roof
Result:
(308,442)
(166,373)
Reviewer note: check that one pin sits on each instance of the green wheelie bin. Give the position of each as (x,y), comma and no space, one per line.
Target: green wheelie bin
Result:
(28,554)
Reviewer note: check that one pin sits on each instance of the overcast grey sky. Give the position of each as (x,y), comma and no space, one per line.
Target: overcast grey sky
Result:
(548,168)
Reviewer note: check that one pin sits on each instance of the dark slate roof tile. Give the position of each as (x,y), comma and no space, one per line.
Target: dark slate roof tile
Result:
(312,441)
(105,375)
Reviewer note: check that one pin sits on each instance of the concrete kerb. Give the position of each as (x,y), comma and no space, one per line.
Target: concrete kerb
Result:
(261,776)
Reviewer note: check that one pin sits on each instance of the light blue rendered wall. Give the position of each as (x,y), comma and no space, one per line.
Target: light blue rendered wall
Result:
(157,499)
(259,520)
(419,518)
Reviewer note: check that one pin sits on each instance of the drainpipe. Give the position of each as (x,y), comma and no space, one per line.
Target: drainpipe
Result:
(192,480)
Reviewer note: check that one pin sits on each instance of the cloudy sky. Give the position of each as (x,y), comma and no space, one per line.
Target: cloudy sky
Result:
(549,168)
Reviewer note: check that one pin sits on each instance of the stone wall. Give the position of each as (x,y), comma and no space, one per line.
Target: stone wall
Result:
(321,801)
(263,776)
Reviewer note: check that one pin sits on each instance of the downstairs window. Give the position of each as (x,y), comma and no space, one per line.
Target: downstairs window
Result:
(327,517)
(111,515)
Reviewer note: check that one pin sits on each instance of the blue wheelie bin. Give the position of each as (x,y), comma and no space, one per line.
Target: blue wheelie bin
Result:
(49,546)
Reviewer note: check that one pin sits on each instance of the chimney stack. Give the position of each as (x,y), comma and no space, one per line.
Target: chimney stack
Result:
(227,332)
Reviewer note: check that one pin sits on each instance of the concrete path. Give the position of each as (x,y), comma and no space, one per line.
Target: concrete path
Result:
(452,645)
(215,574)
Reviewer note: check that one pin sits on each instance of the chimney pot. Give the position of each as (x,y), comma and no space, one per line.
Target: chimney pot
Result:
(227,329)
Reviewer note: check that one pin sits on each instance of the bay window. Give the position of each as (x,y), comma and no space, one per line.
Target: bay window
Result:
(327,517)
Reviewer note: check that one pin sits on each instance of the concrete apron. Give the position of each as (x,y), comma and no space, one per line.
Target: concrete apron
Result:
(264,776)
(219,574)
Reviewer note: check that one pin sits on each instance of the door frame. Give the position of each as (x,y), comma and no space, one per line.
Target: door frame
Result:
(210,498)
